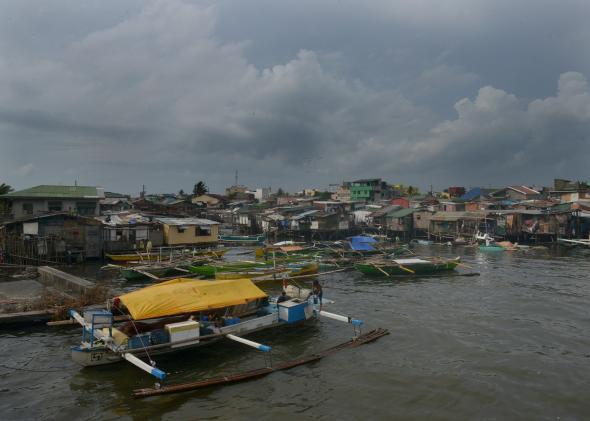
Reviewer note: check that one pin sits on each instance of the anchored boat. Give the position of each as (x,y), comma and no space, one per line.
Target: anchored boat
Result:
(410,266)
(182,314)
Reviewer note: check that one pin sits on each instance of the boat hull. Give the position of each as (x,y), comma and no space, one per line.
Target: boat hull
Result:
(418,269)
(491,248)
(101,355)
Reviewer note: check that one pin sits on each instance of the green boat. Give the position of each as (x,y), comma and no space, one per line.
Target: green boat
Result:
(491,247)
(209,271)
(242,239)
(150,273)
(410,266)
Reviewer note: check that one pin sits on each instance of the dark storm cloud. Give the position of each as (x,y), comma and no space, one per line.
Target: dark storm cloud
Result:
(300,93)
(45,122)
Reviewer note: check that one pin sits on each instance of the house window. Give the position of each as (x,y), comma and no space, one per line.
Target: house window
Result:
(85,208)
(203,231)
(28,208)
(54,206)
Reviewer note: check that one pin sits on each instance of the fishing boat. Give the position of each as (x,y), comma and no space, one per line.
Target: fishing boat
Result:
(182,314)
(242,239)
(154,256)
(276,273)
(491,247)
(141,273)
(210,270)
(422,242)
(410,266)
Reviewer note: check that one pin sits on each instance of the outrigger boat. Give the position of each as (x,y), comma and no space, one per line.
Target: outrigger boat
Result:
(157,273)
(242,239)
(182,314)
(155,256)
(411,266)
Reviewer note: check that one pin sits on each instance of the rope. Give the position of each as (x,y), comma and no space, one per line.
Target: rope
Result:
(152,362)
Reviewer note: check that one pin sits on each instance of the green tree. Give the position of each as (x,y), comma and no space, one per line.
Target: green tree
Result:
(323,195)
(181,192)
(200,189)
(412,191)
(280,192)
(5,188)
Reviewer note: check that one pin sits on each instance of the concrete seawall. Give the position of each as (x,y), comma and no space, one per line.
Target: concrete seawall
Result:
(51,277)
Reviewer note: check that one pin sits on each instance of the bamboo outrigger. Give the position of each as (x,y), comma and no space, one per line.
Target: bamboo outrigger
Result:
(183,314)
(260,372)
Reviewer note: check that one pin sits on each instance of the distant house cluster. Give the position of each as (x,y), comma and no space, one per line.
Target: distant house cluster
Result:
(50,222)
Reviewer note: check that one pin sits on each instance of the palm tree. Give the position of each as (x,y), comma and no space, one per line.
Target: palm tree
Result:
(4,205)
(200,189)
(413,191)
(5,188)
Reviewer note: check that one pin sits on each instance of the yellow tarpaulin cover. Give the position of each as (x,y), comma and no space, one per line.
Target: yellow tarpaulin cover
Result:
(184,295)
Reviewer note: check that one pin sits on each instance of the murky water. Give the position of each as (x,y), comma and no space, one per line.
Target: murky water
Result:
(509,344)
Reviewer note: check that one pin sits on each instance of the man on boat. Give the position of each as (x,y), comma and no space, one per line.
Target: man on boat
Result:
(317,293)
(283,297)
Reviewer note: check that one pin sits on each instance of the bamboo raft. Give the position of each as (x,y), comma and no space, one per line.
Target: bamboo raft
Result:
(371,336)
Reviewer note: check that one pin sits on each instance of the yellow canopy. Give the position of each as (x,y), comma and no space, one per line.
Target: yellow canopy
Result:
(183,295)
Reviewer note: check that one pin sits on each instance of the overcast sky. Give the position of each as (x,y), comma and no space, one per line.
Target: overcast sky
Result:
(293,94)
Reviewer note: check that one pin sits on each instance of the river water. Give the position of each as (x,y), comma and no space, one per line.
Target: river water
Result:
(511,343)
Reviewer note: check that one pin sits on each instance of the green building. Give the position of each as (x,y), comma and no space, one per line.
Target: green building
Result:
(369,190)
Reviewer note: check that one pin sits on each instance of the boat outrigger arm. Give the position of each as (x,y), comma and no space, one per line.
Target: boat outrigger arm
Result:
(345,319)
(260,347)
(108,341)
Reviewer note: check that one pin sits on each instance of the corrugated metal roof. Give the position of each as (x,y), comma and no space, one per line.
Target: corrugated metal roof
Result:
(186,221)
(304,214)
(49,191)
(400,213)
(523,189)
(124,219)
(455,216)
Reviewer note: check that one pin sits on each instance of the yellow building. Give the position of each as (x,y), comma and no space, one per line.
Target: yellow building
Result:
(189,231)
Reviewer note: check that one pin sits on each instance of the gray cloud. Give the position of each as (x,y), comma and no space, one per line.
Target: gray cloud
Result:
(292,94)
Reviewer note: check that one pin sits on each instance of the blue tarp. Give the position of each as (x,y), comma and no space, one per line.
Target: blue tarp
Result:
(362,243)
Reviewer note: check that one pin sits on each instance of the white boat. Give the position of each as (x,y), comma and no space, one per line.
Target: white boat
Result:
(182,314)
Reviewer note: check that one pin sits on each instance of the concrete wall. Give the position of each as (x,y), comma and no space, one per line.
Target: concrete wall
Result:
(41,206)
(57,279)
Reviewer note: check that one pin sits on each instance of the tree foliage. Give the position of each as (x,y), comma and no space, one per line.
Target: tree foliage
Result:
(280,192)
(4,206)
(5,188)
(200,189)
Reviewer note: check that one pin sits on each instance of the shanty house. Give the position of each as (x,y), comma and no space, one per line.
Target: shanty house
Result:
(516,193)
(189,231)
(52,238)
(130,231)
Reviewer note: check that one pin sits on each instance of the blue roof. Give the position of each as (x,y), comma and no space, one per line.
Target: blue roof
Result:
(476,192)
(362,243)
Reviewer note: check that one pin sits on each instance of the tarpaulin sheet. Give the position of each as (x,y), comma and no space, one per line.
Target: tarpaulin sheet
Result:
(183,295)
(362,243)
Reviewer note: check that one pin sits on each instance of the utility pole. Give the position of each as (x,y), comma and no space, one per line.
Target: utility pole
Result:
(236,179)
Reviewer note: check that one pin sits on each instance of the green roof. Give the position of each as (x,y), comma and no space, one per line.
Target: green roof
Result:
(400,213)
(47,191)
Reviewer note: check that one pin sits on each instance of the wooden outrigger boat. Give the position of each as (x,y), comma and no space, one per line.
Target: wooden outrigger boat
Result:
(155,256)
(157,273)
(242,239)
(410,266)
(183,314)
(254,270)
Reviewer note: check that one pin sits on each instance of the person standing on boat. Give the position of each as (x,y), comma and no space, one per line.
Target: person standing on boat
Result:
(317,293)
